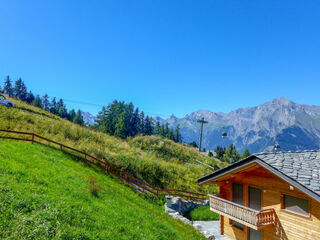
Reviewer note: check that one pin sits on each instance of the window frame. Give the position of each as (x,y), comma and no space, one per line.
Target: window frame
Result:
(282,207)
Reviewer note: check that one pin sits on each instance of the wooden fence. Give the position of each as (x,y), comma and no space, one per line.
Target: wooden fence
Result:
(102,164)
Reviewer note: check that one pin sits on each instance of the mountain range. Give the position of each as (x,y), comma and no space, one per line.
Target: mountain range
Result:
(294,126)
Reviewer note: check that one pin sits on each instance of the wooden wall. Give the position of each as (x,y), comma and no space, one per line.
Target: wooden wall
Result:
(293,226)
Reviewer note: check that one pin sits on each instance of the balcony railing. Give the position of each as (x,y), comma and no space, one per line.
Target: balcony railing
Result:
(250,217)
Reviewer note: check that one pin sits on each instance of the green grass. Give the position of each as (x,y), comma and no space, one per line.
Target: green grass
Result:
(202,213)
(160,162)
(45,194)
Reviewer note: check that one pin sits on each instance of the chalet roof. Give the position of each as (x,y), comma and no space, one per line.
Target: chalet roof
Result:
(301,169)
(304,167)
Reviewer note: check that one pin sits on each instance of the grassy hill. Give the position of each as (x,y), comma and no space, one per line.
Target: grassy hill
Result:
(44,194)
(158,161)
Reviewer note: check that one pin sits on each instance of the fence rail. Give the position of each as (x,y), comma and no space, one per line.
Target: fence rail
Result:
(247,216)
(102,164)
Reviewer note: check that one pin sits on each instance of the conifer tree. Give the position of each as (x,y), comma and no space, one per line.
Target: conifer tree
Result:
(166,129)
(102,119)
(78,118)
(157,128)
(142,123)
(71,115)
(231,154)
(7,88)
(53,106)
(148,126)
(245,154)
(177,136)
(30,97)
(170,134)
(45,102)
(37,102)
(220,151)
(61,109)
(121,126)
(20,90)
(162,131)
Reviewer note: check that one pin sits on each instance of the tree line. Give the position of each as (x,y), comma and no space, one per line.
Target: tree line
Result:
(124,120)
(230,154)
(18,90)
(117,119)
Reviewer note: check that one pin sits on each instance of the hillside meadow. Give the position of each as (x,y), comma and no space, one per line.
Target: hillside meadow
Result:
(160,162)
(45,194)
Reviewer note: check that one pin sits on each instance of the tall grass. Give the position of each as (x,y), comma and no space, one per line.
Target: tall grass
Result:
(158,161)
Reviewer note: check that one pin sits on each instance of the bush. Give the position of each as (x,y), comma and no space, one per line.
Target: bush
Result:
(202,213)
(94,188)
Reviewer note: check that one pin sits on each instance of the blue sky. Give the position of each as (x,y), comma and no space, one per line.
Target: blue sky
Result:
(164,56)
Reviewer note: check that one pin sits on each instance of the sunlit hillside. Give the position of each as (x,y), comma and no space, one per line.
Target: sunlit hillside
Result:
(158,161)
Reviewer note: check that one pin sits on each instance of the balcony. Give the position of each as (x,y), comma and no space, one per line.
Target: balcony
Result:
(244,215)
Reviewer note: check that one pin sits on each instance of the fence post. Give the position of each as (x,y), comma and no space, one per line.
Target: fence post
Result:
(32,137)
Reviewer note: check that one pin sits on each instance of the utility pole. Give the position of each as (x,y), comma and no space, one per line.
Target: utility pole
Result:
(202,121)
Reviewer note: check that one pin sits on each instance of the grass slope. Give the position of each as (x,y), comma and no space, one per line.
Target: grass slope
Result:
(44,195)
(162,163)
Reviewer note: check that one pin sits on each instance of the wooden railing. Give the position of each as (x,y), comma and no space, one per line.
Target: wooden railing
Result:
(244,215)
(102,164)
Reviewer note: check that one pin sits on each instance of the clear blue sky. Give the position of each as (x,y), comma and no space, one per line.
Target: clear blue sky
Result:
(164,56)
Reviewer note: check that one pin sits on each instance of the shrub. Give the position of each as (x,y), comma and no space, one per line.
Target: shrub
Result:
(94,188)
(202,213)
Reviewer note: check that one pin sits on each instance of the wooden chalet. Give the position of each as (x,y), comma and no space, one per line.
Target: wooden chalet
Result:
(269,196)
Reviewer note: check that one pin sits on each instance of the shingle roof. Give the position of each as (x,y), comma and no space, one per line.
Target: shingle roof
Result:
(303,167)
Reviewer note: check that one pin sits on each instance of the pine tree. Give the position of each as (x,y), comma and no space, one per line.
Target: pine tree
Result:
(102,119)
(78,118)
(220,151)
(245,154)
(45,102)
(53,106)
(170,134)
(7,88)
(162,131)
(121,126)
(37,102)
(135,123)
(148,126)
(231,154)
(157,128)
(71,115)
(20,90)
(30,97)
(177,136)
(61,109)
(193,144)
(142,123)
(166,130)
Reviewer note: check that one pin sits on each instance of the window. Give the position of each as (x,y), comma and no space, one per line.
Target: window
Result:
(237,197)
(296,205)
